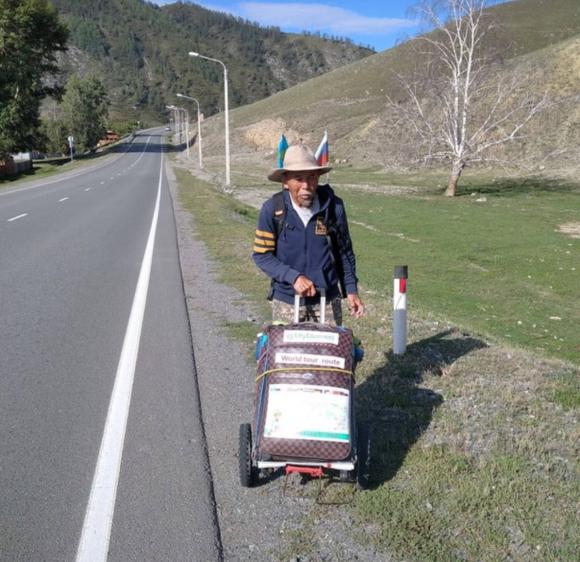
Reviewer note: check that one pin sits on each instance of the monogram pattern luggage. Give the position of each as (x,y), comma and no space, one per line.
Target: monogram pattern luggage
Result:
(304,397)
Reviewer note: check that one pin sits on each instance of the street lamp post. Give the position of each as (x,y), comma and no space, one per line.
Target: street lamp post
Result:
(179,110)
(194,54)
(187,131)
(180,118)
(198,127)
(186,118)
(176,120)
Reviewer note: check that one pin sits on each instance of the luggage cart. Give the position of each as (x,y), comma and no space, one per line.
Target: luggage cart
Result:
(304,409)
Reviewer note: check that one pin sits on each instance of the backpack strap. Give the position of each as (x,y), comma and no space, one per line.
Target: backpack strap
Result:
(335,242)
(279,212)
(279,219)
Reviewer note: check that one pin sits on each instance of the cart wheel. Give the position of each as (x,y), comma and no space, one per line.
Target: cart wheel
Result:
(363,453)
(248,473)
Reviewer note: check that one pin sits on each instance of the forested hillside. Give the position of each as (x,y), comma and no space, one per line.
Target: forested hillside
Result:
(140,52)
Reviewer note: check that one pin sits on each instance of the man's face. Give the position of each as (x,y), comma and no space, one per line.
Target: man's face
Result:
(302,186)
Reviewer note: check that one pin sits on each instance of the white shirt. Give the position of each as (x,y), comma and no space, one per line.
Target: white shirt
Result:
(306,213)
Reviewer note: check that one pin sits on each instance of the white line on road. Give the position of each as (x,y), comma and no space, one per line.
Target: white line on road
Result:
(17,217)
(96,532)
(63,199)
(87,189)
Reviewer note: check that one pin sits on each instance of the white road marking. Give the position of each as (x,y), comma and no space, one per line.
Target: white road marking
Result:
(63,199)
(102,183)
(96,532)
(87,189)
(17,217)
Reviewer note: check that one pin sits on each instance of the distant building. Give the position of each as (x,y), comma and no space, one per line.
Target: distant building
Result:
(15,164)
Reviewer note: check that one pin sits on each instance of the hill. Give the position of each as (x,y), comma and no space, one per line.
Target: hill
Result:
(140,52)
(539,37)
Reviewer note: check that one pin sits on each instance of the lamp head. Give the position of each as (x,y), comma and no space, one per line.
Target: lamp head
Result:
(193,54)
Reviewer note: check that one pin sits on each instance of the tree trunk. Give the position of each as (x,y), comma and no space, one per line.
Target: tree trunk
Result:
(451,190)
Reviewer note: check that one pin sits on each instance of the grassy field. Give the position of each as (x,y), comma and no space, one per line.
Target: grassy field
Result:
(475,428)
(499,267)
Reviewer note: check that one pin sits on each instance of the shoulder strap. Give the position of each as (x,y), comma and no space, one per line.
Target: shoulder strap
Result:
(332,225)
(335,242)
(279,212)
(279,218)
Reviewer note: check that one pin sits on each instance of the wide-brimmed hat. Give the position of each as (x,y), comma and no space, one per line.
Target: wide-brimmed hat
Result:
(298,158)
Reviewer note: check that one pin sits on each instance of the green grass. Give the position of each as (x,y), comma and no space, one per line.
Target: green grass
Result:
(566,391)
(470,460)
(445,506)
(496,267)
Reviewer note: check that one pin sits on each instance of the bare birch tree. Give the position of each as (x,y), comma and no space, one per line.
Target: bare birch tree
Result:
(460,108)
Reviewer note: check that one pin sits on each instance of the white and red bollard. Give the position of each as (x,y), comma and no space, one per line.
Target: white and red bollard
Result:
(400,309)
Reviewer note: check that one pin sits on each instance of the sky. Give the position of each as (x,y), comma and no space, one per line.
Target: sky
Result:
(378,23)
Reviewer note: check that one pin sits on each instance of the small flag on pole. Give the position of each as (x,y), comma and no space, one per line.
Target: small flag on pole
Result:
(282,147)
(322,155)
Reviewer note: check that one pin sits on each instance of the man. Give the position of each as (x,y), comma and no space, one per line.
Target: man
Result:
(302,243)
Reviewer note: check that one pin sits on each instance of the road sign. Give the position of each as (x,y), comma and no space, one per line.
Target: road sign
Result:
(71,141)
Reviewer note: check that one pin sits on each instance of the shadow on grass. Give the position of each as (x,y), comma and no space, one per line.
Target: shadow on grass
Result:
(393,405)
(509,187)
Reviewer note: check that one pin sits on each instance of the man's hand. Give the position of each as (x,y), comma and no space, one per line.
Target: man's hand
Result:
(304,287)
(355,305)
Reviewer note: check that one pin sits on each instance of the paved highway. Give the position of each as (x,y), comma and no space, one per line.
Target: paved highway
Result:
(102,455)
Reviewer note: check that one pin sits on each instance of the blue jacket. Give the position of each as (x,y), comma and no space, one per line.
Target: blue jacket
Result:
(304,250)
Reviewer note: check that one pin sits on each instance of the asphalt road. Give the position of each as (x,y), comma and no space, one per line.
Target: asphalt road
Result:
(71,255)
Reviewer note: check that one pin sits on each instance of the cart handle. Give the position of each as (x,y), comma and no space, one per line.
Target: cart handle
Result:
(322,292)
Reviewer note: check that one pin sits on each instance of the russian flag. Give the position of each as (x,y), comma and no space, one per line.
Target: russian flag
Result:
(322,155)
(282,147)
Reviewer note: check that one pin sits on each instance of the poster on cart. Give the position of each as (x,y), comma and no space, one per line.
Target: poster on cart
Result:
(319,413)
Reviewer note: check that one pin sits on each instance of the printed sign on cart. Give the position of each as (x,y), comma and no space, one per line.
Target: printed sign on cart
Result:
(310,336)
(327,407)
(310,360)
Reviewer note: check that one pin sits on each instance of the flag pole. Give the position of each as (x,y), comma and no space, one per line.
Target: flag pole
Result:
(322,154)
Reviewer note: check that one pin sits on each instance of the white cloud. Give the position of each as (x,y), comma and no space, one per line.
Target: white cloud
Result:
(302,16)
(323,17)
